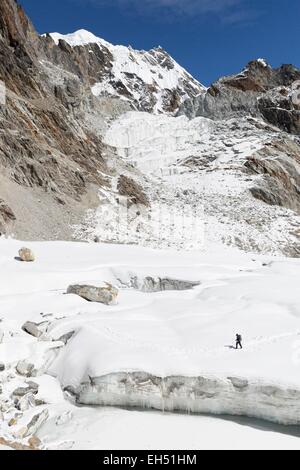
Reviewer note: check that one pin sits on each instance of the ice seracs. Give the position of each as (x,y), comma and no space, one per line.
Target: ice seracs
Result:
(205,180)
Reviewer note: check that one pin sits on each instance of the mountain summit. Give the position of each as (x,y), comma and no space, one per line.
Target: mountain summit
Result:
(151,81)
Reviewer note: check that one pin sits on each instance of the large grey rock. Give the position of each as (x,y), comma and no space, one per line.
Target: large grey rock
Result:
(25,368)
(106,295)
(22,391)
(66,337)
(35,329)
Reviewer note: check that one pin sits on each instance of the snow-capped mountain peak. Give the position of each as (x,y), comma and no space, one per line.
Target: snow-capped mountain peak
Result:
(82,37)
(150,80)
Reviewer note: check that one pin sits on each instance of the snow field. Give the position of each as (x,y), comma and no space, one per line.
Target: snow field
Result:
(168,350)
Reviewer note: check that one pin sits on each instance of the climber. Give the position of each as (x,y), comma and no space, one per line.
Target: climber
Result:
(238,341)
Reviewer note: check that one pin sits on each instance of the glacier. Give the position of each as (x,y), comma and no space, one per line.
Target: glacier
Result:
(156,349)
(203,394)
(194,173)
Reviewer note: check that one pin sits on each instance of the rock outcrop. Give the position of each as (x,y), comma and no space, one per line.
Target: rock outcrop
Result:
(259,90)
(133,191)
(105,295)
(6,216)
(279,165)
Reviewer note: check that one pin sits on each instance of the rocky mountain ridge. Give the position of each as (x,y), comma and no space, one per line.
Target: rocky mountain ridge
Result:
(259,90)
(149,80)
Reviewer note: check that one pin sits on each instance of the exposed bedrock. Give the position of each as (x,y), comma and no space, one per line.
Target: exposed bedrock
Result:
(279,163)
(259,90)
(6,216)
(204,394)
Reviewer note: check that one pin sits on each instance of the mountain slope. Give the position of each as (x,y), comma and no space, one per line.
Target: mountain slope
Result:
(104,142)
(52,164)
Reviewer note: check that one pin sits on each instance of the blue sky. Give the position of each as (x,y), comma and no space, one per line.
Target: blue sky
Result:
(210,38)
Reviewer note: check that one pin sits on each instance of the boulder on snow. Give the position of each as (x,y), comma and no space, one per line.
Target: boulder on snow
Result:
(26,402)
(21,391)
(35,329)
(43,354)
(32,427)
(25,368)
(26,255)
(105,295)
(34,442)
(32,387)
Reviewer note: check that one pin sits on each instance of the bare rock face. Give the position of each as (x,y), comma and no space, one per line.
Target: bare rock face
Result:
(259,90)
(105,295)
(129,188)
(26,255)
(6,216)
(45,144)
(279,165)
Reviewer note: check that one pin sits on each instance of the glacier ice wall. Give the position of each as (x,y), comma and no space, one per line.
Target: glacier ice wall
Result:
(203,394)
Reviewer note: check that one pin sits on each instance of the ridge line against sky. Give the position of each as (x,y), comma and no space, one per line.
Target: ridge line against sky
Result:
(210,38)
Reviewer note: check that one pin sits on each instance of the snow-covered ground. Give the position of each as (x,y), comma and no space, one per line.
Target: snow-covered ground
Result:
(165,350)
